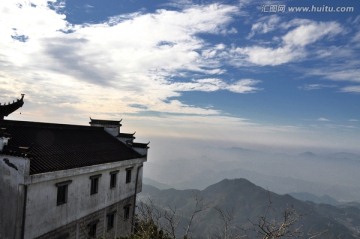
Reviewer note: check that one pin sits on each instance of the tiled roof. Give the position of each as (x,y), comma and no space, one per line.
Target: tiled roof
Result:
(53,147)
(126,135)
(140,145)
(105,122)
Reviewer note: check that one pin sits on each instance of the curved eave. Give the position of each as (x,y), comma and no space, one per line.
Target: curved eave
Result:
(7,109)
(141,145)
(105,122)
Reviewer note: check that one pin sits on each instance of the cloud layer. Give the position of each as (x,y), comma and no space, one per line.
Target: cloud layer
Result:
(142,63)
(134,57)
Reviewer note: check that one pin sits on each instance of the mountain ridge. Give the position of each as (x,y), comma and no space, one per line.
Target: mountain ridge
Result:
(247,202)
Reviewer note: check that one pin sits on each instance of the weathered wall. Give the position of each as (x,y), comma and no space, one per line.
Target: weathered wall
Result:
(42,213)
(79,228)
(140,177)
(12,192)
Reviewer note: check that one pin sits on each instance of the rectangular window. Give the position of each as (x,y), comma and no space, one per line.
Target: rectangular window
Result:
(113,178)
(127,212)
(128,175)
(62,192)
(94,184)
(110,220)
(92,229)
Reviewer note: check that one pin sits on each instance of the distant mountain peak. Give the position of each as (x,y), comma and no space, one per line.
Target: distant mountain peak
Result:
(234,181)
(308,154)
(238,184)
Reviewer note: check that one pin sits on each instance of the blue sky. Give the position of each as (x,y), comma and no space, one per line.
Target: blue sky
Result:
(236,73)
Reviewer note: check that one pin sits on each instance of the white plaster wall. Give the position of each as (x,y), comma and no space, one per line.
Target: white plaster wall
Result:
(114,131)
(13,171)
(43,215)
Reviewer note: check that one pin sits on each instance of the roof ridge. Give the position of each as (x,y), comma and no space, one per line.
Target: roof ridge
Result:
(47,125)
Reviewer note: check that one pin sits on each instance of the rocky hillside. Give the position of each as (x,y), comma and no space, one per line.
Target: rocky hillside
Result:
(238,205)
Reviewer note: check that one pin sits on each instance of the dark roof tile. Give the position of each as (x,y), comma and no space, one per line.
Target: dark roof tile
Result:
(54,147)
(140,145)
(126,135)
(105,122)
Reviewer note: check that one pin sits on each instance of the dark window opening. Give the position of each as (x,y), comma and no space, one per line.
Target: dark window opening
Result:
(128,175)
(62,192)
(110,221)
(92,229)
(94,187)
(127,212)
(113,178)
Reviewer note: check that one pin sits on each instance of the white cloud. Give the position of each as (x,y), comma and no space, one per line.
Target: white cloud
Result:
(323,119)
(130,60)
(337,63)
(213,84)
(310,33)
(264,56)
(356,39)
(346,72)
(351,89)
(265,25)
(295,23)
(335,52)
(316,86)
(36,20)
(292,47)
(243,86)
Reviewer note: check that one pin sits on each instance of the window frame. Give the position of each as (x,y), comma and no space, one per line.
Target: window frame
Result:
(94,184)
(113,179)
(62,192)
(127,212)
(110,220)
(92,228)
(128,176)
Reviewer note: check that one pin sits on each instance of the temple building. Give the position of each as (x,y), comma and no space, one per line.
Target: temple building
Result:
(67,181)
